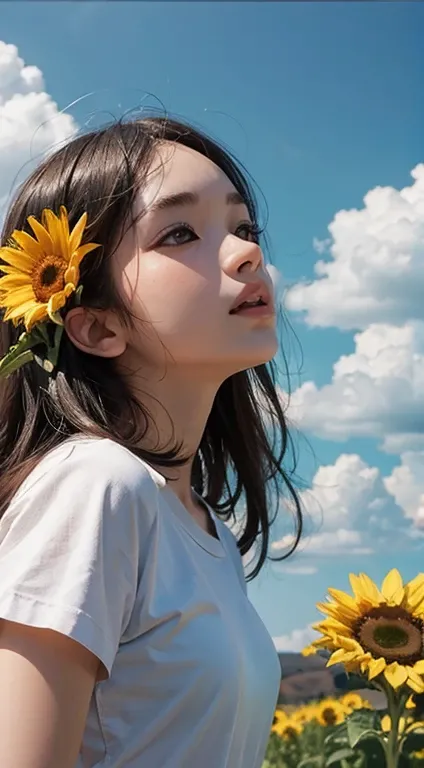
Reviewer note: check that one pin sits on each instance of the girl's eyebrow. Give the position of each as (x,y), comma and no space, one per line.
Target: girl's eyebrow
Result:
(181,199)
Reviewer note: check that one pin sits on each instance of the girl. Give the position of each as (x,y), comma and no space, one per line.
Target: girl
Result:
(137,409)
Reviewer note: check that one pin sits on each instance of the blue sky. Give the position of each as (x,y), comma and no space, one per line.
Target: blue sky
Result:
(323,103)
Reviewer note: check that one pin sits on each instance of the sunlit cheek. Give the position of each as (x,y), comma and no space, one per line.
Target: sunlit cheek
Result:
(174,299)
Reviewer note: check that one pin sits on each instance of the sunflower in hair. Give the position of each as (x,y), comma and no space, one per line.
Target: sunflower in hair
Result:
(40,273)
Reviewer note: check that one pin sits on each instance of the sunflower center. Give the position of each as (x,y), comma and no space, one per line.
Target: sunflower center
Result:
(391,632)
(329,716)
(391,636)
(49,277)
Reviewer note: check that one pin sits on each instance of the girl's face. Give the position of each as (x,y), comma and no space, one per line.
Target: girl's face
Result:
(188,263)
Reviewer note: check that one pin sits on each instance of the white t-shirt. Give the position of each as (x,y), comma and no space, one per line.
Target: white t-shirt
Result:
(97,546)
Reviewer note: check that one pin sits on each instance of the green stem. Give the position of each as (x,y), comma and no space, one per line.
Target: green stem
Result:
(393,741)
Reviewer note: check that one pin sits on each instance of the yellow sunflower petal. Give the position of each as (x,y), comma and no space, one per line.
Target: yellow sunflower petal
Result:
(375,667)
(18,259)
(52,224)
(63,215)
(5,269)
(309,650)
(396,675)
(28,244)
(350,644)
(341,656)
(365,662)
(419,667)
(410,704)
(414,584)
(337,612)
(35,315)
(82,251)
(414,675)
(58,300)
(332,625)
(419,724)
(362,590)
(324,642)
(386,723)
(63,233)
(17,297)
(392,587)
(346,601)
(77,233)
(42,235)
(14,280)
(370,589)
(415,599)
(72,275)
(20,311)
(414,685)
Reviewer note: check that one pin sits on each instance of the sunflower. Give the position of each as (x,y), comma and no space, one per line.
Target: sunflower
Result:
(304,714)
(353,701)
(41,272)
(377,632)
(289,729)
(330,712)
(279,717)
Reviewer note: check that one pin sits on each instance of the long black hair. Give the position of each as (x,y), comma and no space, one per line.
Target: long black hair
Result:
(246,441)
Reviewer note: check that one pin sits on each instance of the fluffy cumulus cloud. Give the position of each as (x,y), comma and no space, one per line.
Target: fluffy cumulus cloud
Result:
(296,640)
(406,485)
(369,278)
(351,509)
(30,121)
(374,270)
(377,391)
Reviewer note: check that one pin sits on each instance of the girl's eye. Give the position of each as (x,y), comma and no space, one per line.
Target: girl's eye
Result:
(251,231)
(180,235)
(183,234)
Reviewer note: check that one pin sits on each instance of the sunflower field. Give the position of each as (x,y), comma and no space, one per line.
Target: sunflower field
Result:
(377,634)
(321,734)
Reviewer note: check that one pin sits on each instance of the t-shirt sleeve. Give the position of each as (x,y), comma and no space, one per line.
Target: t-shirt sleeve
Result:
(69,548)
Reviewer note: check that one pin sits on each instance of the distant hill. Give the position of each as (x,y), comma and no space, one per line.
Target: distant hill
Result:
(304,678)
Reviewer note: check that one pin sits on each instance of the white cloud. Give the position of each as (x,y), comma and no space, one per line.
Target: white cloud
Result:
(335,543)
(342,493)
(377,391)
(351,509)
(376,270)
(296,640)
(406,485)
(321,246)
(30,121)
(340,542)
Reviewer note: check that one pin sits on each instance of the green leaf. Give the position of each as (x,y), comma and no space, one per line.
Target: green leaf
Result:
(309,761)
(362,725)
(19,354)
(373,753)
(338,735)
(341,754)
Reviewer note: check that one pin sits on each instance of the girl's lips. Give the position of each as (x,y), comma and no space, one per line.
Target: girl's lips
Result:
(251,293)
(261,310)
